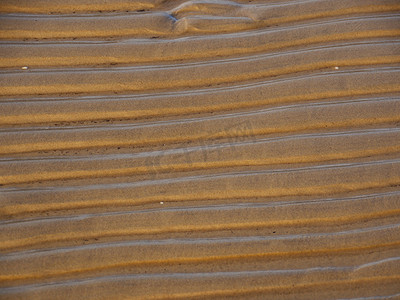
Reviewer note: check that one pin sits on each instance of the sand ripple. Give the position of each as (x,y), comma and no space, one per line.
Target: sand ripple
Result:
(160,149)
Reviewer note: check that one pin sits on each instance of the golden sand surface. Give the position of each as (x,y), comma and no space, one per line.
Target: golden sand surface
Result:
(204,149)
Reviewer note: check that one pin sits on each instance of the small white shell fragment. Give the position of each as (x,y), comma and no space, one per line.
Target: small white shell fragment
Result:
(161,202)
(336,68)
(24,68)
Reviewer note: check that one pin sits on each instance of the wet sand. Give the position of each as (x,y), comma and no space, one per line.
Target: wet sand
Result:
(199,149)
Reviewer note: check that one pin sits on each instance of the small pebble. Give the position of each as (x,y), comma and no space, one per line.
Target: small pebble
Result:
(24,68)
(161,202)
(336,68)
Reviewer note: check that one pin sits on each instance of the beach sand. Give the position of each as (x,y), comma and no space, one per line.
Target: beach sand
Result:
(201,149)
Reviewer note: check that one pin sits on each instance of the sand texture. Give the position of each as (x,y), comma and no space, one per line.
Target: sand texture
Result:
(204,149)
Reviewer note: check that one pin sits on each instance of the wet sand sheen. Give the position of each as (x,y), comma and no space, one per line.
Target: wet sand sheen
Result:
(199,149)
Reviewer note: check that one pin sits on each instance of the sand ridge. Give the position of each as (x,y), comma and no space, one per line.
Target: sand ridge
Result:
(209,149)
